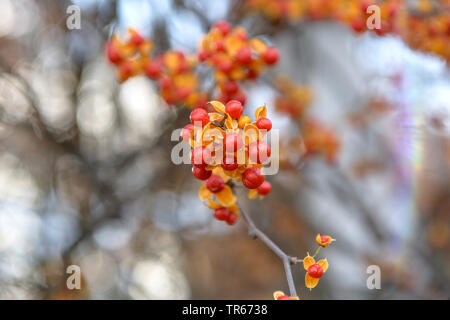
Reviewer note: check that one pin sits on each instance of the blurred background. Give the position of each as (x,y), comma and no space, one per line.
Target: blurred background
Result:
(86,176)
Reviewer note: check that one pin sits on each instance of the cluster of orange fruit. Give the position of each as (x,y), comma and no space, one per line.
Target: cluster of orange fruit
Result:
(228,148)
(173,70)
(423,24)
(316,138)
(232,55)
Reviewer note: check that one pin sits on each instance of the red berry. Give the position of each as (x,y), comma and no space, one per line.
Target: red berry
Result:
(203,55)
(186,132)
(165,83)
(229,162)
(125,70)
(240,96)
(259,151)
(183,93)
(221,214)
(232,142)
(215,184)
(137,39)
(264,124)
(153,69)
(324,238)
(225,65)
(220,46)
(232,218)
(358,25)
(244,55)
(200,172)
(231,87)
(271,55)
(234,109)
(315,271)
(113,53)
(199,115)
(252,178)
(223,26)
(264,188)
(201,156)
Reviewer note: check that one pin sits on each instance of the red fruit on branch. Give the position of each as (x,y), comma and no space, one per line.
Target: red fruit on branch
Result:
(215,184)
(271,55)
(203,55)
(223,26)
(229,162)
(252,178)
(113,53)
(241,97)
(232,142)
(221,214)
(225,65)
(153,69)
(234,109)
(315,271)
(186,132)
(199,115)
(201,156)
(264,124)
(200,172)
(230,87)
(244,55)
(136,39)
(259,152)
(232,218)
(264,188)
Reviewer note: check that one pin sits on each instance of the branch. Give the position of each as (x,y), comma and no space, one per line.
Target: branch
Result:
(287,260)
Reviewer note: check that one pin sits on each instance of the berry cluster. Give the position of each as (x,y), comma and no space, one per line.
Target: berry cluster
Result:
(173,70)
(234,57)
(350,12)
(428,27)
(423,24)
(228,148)
(315,137)
(293,99)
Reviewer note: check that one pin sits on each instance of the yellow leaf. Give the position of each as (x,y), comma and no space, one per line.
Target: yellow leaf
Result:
(213,116)
(261,112)
(324,264)
(252,194)
(218,106)
(204,193)
(251,133)
(308,261)
(226,197)
(258,45)
(213,205)
(311,282)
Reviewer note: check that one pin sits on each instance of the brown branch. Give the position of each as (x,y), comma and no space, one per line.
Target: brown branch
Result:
(255,232)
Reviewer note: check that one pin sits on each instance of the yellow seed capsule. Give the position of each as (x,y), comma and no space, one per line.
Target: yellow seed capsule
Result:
(243,121)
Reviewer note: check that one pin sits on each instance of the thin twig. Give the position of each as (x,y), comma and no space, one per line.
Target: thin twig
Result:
(287,260)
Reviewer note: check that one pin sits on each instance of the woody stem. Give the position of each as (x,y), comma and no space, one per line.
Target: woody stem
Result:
(287,260)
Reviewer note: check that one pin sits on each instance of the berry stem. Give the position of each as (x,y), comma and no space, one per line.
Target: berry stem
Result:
(287,260)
